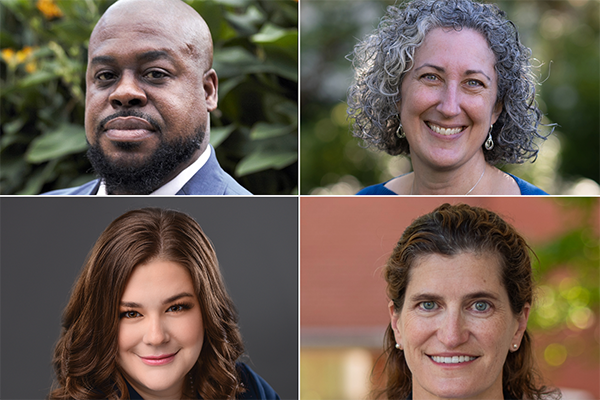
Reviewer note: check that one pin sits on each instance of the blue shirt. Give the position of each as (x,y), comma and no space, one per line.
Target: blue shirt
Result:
(527,189)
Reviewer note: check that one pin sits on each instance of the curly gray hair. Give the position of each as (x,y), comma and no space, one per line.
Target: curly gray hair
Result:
(384,57)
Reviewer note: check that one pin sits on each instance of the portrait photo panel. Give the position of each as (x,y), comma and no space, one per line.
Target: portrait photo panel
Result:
(45,242)
(346,249)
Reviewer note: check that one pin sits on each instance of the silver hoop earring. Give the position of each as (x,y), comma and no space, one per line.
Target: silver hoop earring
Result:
(489,143)
(400,132)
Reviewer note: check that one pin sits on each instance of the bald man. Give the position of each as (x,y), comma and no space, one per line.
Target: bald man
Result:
(150,86)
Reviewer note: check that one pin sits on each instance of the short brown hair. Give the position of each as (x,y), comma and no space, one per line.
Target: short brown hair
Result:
(85,357)
(450,230)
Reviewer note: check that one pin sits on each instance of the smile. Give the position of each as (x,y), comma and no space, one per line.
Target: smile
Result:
(452,360)
(445,131)
(158,360)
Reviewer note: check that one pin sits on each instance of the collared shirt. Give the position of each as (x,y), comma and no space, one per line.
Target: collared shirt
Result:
(175,184)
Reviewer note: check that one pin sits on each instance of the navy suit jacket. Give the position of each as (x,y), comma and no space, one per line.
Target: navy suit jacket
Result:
(256,387)
(209,180)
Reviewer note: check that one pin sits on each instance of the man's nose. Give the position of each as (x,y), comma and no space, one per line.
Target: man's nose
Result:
(127,92)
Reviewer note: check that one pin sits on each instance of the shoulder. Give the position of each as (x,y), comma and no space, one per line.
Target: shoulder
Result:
(211,179)
(527,189)
(85,189)
(378,189)
(256,387)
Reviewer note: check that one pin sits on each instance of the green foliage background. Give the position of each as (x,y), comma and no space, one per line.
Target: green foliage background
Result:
(564,38)
(254,130)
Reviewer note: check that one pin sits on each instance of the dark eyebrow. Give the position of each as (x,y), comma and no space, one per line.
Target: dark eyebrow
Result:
(151,55)
(103,60)
(154,55)
(419,297)
(171,299)
(468,72)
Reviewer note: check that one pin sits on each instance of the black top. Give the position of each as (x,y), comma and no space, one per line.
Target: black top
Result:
(256,387)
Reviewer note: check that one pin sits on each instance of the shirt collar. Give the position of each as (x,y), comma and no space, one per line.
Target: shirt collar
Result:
(175,184)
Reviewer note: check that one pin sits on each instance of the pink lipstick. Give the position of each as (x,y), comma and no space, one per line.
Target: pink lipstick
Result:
(162,359)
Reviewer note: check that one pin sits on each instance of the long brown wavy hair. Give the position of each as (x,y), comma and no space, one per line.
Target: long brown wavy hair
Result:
(85,357)
(450,230)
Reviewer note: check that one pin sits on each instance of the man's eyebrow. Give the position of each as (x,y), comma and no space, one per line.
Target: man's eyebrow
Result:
(468,72)
(147,56)
(131,304)
(153,55)
(103,60)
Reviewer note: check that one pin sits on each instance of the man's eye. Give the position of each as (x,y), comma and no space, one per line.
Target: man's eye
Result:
(156,75)
(105,76)
(481,306)
(428,305)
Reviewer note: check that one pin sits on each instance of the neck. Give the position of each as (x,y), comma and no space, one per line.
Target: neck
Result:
(466,179)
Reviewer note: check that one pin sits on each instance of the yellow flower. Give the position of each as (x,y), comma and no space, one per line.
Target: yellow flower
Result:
(8,54)
(24,53)
(30,67)
(49,9)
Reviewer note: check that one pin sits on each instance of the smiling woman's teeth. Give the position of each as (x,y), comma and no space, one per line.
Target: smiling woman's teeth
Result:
(444,131)
(452,360)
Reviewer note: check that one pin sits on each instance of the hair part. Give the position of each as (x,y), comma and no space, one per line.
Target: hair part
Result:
(384,57)
(450,230)
(85,357)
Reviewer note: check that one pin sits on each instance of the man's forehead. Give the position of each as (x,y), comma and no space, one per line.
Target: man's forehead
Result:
(142,18)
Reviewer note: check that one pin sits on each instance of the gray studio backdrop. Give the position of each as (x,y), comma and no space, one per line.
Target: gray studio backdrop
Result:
(44,242)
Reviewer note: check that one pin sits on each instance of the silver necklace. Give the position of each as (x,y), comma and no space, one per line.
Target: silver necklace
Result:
(474,186)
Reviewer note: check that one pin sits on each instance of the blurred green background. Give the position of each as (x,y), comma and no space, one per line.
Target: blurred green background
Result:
(42,94)
(564,38)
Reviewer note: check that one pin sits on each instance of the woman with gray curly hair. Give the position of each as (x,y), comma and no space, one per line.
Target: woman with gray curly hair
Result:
(449,84)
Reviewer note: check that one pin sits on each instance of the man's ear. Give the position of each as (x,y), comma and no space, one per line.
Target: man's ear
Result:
(210,82)
(394,321)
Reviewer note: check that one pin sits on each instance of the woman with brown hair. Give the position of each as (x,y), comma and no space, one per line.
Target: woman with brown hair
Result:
(149,317)
(460,287)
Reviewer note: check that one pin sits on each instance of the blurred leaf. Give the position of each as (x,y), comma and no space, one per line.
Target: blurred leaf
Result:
(36,78)
(264,130)
(262,160)
(217,135)
(235,3)
(67,139)
(247,23)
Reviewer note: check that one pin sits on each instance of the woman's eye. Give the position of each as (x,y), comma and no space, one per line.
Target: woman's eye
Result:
(481,306)
(474,83)
(130,314)
(178,308)
(429,77)
(428,305)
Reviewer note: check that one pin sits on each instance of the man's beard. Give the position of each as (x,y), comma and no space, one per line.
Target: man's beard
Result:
(144,177)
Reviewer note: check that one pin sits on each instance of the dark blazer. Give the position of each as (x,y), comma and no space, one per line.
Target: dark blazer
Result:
(209,180)
(256,387)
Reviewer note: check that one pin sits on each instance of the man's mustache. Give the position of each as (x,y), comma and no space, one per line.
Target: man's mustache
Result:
(129,113)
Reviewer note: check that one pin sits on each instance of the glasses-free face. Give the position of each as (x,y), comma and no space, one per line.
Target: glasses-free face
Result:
(449,99)
(149,90)
(456,327)
(160,329)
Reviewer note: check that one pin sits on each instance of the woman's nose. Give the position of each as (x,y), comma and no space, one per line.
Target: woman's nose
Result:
(156,332)
(127,92)
(453,330)
(449,102)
